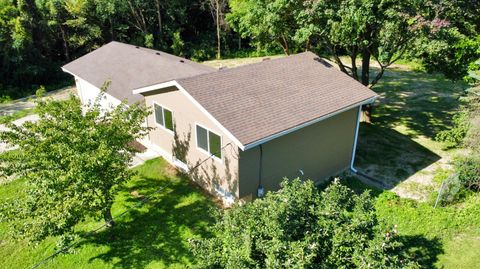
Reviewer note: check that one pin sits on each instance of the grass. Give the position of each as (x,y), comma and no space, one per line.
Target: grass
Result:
(399,147)
(445,237)
(154,235)
(230,63)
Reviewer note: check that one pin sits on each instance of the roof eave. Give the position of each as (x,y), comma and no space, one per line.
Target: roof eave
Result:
(195,102)
(303,125)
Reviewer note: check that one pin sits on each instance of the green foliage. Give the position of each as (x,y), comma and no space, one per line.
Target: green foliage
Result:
(468,171)
(450,191)
(450,48)
(154,235)
(383,30)
(73,162)
(453,137)
(267,23)
(301,227)
(178,44)
(15,115)
(450,52)
(37,37)
(148,41)
(41,91)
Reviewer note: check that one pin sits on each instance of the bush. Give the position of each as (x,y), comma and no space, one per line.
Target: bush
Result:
(451,188)
(301,227)
(468,170)
(454,137)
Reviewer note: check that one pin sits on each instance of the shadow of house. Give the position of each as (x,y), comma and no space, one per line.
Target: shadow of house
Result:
(158,231)
(390,156)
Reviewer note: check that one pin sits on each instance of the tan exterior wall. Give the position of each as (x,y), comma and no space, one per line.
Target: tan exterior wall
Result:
(319,150)
(212,172)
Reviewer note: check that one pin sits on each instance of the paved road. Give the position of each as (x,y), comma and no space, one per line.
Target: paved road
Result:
(28,102)
(19,122)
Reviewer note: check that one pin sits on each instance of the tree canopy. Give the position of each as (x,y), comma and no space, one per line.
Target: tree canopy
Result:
(72,161)
(37,37)
(301,227)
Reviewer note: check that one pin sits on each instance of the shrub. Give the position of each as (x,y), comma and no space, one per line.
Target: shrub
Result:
(451,188)
(454,137)
(468,170)
(301,227)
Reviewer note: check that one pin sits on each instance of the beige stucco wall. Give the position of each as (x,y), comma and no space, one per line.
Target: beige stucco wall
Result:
(212,172)
(319,150)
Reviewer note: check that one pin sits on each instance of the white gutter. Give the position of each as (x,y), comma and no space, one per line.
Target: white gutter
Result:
(265,139)
(282,133)
(354,150)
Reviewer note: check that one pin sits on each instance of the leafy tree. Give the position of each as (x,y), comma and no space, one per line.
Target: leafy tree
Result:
(382,30)
(267,23)
(72,161)
(301,227)
(448,48)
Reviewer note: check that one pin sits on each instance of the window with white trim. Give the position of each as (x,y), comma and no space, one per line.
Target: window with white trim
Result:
(209,141)
(163,117)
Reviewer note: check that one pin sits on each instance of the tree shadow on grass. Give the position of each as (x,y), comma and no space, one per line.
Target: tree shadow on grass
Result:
(390,156)
(422,250)
(422,102)
(158,231)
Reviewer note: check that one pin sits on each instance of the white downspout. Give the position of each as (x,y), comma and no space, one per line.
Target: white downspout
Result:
(354,150)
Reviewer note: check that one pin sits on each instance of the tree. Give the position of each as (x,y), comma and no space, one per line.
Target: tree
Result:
(266,23)
(373,29)
(217,8)
(447,49)
(72,163)
(301,227)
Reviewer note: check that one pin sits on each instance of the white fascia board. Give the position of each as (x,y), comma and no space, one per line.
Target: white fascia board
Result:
(231,136)
(195,102)
(282,133)
(107,94)
(66,71)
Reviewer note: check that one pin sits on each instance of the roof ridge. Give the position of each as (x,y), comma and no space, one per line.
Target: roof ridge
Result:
(162,53)
(233,69)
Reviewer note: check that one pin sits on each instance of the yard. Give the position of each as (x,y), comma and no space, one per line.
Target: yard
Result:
(153,235)
(398,149)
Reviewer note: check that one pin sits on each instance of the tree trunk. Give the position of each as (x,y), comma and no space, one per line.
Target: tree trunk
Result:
(159,17)
(112,31)
(65,45)
(353,58)
(284,45)
(367,109)
(217,11)
(107,216)
(365,67)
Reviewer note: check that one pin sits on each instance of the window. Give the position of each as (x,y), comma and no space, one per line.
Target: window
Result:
(209,141)
(163,117)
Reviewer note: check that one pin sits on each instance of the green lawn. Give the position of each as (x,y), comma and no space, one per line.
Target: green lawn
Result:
(446,237)
(154,235)
(399,147)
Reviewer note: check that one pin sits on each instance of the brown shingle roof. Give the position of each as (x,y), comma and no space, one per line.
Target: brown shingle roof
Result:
(263,99)
(129,67)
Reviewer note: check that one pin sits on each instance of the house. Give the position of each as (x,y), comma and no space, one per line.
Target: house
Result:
(238,131)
